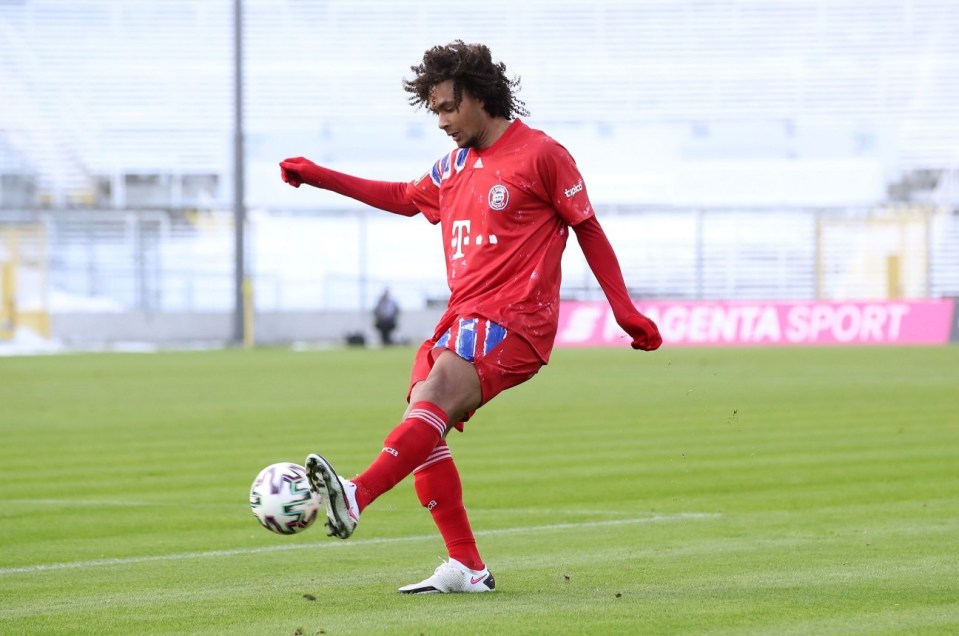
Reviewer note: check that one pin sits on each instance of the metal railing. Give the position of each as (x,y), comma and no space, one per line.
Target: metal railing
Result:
(182,262)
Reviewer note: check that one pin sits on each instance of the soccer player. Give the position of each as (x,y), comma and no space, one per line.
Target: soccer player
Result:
(505,198)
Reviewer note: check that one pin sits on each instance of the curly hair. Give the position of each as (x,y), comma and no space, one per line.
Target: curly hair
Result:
(472,69)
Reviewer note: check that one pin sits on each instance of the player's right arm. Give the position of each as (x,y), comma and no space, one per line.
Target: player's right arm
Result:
(385,195)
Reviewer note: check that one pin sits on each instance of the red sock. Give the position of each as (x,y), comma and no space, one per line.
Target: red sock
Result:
(440,491)
(406,447)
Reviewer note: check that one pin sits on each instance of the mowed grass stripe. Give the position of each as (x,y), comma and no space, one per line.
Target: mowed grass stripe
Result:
(831,472)
(355,543)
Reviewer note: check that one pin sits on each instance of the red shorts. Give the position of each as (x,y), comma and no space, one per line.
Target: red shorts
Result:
(476,340)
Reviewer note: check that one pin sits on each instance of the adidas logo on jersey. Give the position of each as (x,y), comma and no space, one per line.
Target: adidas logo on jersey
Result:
(479,163)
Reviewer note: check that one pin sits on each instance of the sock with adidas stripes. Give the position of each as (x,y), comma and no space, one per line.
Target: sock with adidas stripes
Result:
(406,447)
(440,491)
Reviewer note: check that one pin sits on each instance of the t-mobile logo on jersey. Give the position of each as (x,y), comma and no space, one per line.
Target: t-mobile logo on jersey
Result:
(461,238)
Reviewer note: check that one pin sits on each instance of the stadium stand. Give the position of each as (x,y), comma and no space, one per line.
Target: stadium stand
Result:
(97,90)
(742,131)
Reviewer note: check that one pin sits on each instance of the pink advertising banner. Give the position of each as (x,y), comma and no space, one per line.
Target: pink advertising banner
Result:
(774,323)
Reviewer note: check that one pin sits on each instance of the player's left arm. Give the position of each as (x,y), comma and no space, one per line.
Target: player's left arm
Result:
(605,266)
(563,181)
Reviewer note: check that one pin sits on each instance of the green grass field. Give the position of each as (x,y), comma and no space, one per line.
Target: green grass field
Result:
(691,491)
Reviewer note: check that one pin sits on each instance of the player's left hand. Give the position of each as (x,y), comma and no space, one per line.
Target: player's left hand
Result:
(643,331)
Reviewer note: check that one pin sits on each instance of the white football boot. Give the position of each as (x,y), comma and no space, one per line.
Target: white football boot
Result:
(337,493)
(452,577)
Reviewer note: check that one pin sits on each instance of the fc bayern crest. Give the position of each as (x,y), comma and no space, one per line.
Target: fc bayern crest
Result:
(498,197)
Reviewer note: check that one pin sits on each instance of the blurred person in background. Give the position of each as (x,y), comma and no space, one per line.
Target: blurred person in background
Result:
(386,317)
(506,198)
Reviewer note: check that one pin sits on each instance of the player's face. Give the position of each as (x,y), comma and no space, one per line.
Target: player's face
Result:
(469,124)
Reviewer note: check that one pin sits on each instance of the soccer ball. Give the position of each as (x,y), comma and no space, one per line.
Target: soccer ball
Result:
(281,499)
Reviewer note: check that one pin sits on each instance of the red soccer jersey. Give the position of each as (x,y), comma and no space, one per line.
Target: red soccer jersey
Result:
(505,213)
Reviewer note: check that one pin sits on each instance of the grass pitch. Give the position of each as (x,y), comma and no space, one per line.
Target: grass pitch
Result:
(707,491)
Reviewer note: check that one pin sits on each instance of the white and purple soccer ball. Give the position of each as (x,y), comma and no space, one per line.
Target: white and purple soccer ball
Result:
(281,499)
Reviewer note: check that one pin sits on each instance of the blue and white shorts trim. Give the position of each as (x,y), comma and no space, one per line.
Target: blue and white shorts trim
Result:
(472,338)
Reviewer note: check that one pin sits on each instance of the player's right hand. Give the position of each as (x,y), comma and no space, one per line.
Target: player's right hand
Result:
(298,170)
